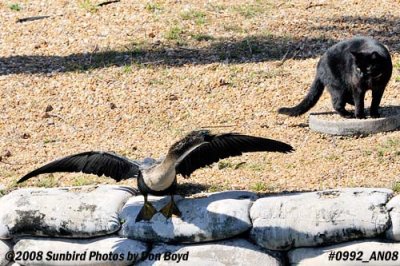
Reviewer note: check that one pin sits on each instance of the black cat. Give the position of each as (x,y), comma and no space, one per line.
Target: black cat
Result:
(348,69)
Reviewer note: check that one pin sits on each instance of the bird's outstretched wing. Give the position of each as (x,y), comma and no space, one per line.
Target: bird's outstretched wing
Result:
(92,162)
(227,145)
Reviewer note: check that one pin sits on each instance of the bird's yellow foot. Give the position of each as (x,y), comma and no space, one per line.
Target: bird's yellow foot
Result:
(171,209)
(146,213)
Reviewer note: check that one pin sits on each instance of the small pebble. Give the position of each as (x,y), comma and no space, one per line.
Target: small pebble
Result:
(49,108)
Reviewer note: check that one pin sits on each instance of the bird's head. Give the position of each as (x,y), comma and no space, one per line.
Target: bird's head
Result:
(192,139)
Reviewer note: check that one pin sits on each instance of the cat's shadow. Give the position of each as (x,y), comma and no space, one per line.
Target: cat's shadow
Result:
(384,111)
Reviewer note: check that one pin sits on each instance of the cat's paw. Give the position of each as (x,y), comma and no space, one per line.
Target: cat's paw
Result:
(346,114)
(360,114)
(375,115)
(361,117)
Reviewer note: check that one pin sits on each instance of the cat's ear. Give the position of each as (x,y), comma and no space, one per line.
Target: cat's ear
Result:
(358,58)
(357,55)
(374,56)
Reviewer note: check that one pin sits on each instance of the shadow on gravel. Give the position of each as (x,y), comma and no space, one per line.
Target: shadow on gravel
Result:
(385,29)
(253,48)
(187,189)
(250,49)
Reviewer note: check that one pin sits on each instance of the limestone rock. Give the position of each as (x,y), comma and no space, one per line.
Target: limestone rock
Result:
(212,217)
(313,218)
(370,251)
(225,252)
(99,251)
(5,248)
(4,232)
(68,212)
(393,206)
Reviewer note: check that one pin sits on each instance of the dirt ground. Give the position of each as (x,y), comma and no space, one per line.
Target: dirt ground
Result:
(134,76)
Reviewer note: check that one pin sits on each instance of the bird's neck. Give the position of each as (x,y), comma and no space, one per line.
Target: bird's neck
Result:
(177,153)
(161,176)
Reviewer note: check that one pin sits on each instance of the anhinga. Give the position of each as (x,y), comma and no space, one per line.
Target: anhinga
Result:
(195,150)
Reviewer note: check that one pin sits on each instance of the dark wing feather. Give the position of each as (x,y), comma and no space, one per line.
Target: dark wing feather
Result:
(227,145)
(92,162)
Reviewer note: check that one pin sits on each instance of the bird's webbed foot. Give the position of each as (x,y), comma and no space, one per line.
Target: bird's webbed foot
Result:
(147,212)
(171,209)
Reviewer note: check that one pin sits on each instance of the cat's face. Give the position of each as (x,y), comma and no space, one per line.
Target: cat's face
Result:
(369,65)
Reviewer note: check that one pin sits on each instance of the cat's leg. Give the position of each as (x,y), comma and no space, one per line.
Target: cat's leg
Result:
(376,100)
(349,98)
(359,95)
(339,102)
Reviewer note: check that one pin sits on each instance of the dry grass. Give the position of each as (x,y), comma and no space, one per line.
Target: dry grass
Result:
(134,76)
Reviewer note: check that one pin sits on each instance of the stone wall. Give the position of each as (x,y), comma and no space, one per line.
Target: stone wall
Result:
(95,225)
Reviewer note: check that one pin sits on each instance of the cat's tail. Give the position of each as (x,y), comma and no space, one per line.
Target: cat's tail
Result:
(308,102)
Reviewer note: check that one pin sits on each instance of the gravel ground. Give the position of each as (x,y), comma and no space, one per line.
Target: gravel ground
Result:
(135,76)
